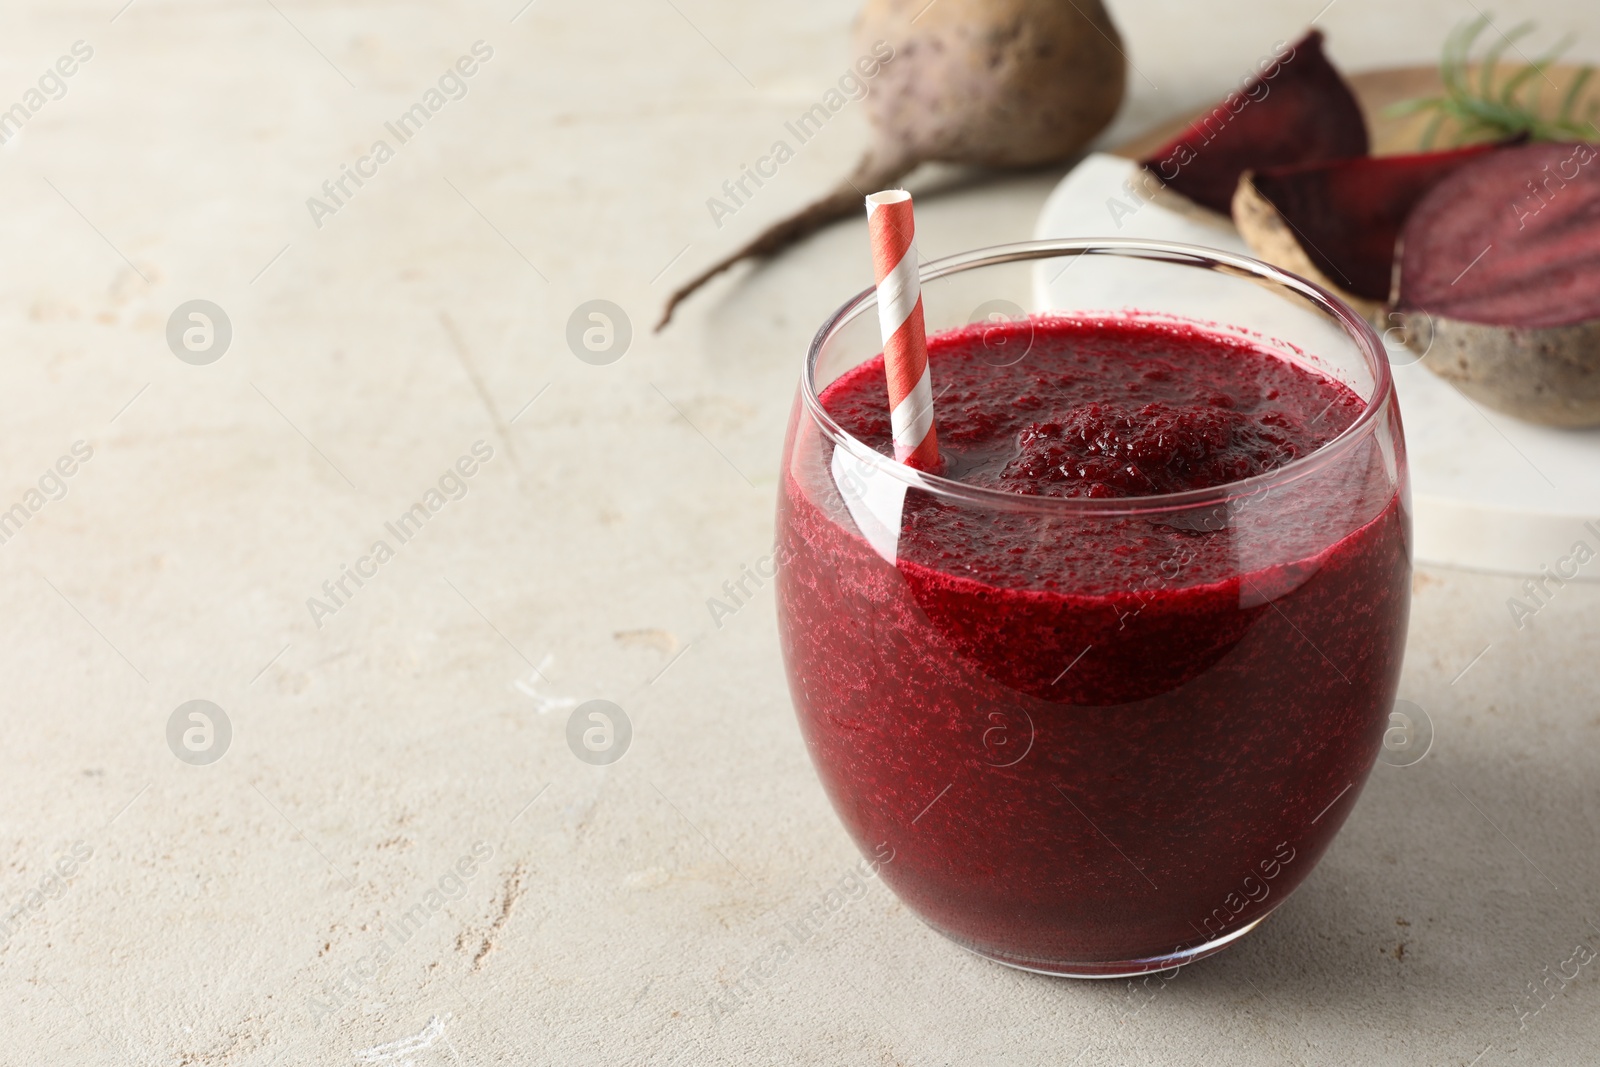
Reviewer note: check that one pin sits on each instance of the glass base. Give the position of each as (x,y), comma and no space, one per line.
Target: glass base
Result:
(1124,968)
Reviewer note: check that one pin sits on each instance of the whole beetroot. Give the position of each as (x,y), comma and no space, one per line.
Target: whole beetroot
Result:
(995,83)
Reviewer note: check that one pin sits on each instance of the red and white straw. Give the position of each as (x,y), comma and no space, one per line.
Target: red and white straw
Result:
(905,343)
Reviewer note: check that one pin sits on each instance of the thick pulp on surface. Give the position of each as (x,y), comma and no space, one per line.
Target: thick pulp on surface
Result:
(1095,739)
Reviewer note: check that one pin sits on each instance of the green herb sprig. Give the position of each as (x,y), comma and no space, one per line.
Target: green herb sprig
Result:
(1484,111)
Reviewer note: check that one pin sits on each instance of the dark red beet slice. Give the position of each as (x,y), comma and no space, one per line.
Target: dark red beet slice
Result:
(1499,282)
(1346,214)
(1297,109)
(1511,239)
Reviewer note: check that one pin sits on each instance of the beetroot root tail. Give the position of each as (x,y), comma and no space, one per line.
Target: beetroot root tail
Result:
(869,177)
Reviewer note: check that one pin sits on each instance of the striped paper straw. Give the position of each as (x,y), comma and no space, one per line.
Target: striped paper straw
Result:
(905,344)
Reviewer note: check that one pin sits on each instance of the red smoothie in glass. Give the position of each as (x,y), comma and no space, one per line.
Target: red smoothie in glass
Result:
(1094,739)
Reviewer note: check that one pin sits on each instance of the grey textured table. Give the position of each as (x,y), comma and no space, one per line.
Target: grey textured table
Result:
(397,858)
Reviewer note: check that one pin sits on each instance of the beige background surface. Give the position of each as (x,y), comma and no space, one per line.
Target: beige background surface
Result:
(221,904)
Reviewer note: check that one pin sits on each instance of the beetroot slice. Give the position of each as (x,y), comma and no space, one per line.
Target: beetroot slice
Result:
(1509,239)
(1296,110)
(1347,213)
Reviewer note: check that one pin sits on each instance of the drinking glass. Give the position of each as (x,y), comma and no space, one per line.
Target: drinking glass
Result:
(1085,763)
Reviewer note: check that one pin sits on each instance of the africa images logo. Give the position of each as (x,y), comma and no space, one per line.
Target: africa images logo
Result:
(452,85)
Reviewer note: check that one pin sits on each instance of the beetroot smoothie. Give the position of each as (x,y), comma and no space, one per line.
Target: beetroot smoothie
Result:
(1099,738)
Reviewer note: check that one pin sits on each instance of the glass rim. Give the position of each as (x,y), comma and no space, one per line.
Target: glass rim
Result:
(1357,328)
